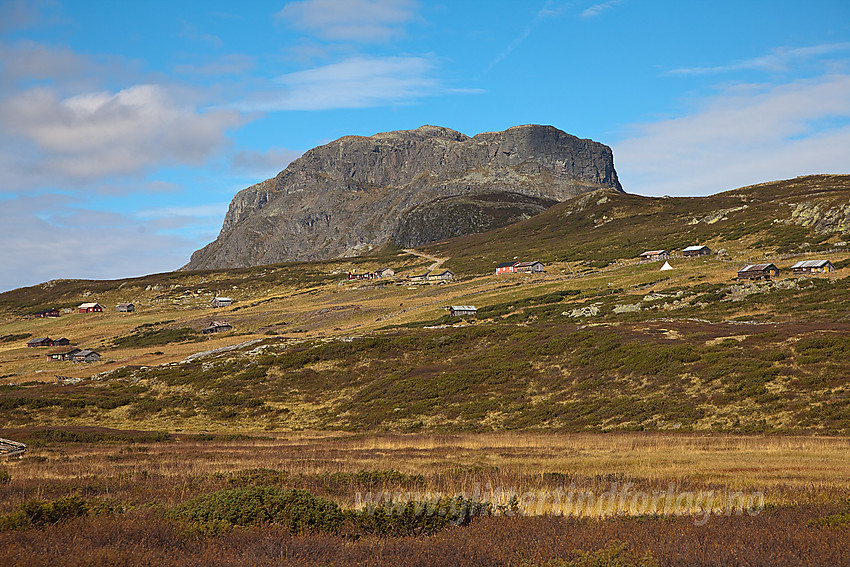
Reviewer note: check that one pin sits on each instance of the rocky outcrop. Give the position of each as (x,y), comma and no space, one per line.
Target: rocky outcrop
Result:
(404,188)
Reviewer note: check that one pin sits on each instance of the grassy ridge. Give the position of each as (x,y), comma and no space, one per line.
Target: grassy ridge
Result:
(605,226)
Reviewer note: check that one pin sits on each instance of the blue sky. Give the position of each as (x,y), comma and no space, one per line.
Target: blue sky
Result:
(127,127)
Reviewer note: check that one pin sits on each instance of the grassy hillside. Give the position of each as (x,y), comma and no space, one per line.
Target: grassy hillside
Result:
(597,343)
(802,214)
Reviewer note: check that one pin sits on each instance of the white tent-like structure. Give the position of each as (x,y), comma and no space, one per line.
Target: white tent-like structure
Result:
(666,266)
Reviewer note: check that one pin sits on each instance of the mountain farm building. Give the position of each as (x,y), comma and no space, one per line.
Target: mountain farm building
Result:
(758,272)
(812,267)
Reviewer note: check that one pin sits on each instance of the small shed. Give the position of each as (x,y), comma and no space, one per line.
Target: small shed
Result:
(812,267)
(40,342)
(462,310)
(506,267)
(222,302)
(444,275)
(691,251)
(385,273)
(125,307)
(654,256)
(61,342)
(217,327)
(758,272)
(52,312)
(84,356)
(530,267)
(90,308)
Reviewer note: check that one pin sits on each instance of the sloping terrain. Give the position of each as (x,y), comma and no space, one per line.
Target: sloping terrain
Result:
(599,342)
(796,215)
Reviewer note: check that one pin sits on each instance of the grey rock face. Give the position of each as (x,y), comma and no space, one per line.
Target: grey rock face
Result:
(406,188)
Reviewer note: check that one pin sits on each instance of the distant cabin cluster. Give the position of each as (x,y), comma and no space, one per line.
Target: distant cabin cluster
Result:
(76,353)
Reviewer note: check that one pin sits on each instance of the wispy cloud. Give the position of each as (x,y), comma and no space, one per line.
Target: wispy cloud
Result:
(779,59)
(549,10)
(597,9)
(366,21)
(747,134)
(357,82)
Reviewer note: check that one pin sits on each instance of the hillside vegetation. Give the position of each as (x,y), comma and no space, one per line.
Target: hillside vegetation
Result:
(599,342)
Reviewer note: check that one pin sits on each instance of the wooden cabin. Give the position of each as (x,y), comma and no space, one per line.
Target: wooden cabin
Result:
(758,272)
(84,356)
(444,275)
(125,308)
(506,268)
(654,256)
(222,302)
(216,327)
(52,312)
(462,310)
(40,342)
(692,251)
(812,267)
(530,267)
(90,308)
(384,273)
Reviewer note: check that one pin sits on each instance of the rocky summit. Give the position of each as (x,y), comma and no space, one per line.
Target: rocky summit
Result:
(404,188)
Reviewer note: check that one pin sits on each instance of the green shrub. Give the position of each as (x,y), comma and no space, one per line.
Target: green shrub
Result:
(296,510)
(419,517)
(36,513)
(5,477)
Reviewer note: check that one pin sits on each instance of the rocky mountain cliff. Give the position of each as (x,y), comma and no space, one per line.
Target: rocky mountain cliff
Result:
(404,188)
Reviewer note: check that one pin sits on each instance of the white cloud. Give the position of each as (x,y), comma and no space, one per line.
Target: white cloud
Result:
(96,135)
(358,82)
(747,134)
(597,9)
(779,59)
(47,237)
(350,20)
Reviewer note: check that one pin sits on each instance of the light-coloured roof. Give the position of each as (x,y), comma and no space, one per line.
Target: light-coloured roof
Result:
(694,248)
(464,308)
(223,299)
(653,252)
(755,267)
(811,264)
(87,305)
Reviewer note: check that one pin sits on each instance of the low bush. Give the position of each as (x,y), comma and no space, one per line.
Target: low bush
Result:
(36,513)
(5,477)
(296,510)
(419,517)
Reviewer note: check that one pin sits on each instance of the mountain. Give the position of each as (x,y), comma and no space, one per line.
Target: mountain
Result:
(405,188)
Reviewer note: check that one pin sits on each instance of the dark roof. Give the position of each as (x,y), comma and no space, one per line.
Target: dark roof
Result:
(507,264)
(85,353)
(38,340)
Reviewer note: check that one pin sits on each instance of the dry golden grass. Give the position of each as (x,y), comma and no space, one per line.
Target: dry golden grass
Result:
(786,470)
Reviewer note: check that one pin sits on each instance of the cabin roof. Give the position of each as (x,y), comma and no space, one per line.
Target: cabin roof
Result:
(811,264)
